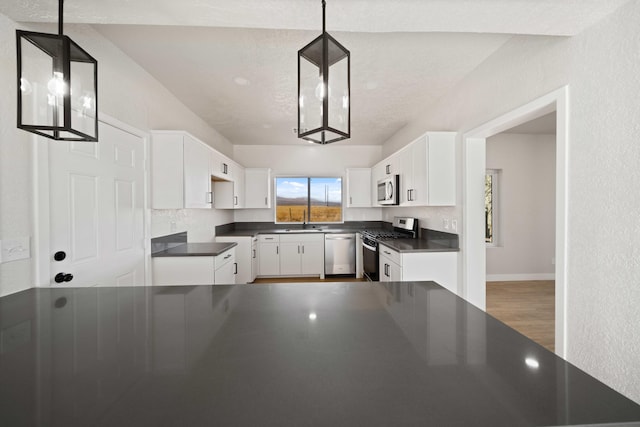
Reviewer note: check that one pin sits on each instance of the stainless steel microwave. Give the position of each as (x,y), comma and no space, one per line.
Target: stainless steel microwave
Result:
(388,190)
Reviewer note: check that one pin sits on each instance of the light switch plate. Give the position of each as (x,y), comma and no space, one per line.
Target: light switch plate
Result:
(15,249)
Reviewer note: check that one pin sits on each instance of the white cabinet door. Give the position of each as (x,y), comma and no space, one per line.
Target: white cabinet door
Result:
(359,187)
(167,171)
(389,271)
(197,177)
(219,166)
(254,259)
(419,189)
(405,170)
(433,170)
(238,185)
(225,275)
(312,258)
(257,187)
(269,259)
(244,256)
(290,258)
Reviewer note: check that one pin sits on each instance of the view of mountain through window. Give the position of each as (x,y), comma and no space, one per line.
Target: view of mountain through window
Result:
(306,199)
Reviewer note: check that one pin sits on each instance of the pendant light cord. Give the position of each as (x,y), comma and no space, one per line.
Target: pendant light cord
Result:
(324,30)
(60,8)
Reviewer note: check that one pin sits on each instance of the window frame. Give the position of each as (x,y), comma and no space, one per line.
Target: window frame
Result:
(496,177)
(308,178)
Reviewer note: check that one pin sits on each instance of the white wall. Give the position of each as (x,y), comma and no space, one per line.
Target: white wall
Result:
(308,160)
(126,92)
(601,68)
(15,173)
(526,210)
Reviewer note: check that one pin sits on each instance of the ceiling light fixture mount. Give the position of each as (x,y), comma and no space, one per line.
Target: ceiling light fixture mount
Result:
(324,95)
(57,86)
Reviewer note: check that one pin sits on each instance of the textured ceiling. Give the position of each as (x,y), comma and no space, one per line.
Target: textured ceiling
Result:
(234,63)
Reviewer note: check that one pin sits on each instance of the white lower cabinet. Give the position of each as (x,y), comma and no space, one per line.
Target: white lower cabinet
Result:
(302,255)
(245,257)
(195,270)
(269,255)
(254,258)
(441,267)
(291,254)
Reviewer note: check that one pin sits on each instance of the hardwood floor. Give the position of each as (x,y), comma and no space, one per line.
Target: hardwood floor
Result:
(528,307)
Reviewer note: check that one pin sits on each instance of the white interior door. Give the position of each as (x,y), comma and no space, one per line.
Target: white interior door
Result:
(97,210)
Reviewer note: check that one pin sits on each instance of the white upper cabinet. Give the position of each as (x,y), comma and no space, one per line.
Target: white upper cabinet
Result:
(220,166)
(179,171)
(229,193)
(426,168)
(237,174)
(433,170)
(359,187)
(197,176)
(257,188)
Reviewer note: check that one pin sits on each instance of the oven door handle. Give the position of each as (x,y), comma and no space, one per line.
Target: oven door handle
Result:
(371,248)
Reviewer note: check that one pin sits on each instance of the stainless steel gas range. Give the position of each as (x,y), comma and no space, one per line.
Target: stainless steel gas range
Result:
(403,228)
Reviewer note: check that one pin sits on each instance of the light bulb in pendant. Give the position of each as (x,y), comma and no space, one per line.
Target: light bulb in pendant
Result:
(56,85)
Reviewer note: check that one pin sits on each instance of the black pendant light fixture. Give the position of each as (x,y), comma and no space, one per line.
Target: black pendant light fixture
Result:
(324,113)
(57,86)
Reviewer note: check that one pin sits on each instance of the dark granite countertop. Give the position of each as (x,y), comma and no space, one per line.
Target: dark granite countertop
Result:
(418,245)
(252,233)
(195,249)
(313,354)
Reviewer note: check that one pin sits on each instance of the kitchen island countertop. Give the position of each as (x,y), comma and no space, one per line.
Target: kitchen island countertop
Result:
(314,354)
(195,249)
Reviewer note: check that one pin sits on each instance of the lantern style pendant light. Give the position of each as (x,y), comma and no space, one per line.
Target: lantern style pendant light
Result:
(324,114)
(57,86)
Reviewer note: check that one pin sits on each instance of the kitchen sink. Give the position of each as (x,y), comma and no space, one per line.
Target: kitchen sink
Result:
(303,230)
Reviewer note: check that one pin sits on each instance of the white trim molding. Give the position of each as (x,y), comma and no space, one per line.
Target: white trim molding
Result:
(520,277)
(474,161)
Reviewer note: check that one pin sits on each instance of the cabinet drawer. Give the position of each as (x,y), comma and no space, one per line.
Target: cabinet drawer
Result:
(302,237)
(225,258)
(391,254)
(269,238)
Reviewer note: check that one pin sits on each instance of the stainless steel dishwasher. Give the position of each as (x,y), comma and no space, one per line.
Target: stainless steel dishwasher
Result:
(340,253)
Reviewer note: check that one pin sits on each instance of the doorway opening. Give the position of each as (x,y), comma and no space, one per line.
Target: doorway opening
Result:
(520,228)
(474,239)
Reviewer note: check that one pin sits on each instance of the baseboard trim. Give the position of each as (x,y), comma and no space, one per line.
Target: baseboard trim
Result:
(519,277)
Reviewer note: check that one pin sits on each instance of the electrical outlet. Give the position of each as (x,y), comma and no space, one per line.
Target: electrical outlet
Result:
(454,224)
(445,223)
(15,249)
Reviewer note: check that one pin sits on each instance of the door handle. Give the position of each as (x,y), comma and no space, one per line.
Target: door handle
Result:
(63,277)
(59,256)
(235,200)
(277,250)
(235,265)
(254,253)
(210,194)
(265,201)
(298,248)
(302,249)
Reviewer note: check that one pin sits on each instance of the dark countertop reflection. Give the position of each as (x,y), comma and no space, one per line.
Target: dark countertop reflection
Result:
(335,354)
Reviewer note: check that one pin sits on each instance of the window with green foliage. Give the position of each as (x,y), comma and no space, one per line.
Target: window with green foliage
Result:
(490,206)
(307,199)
